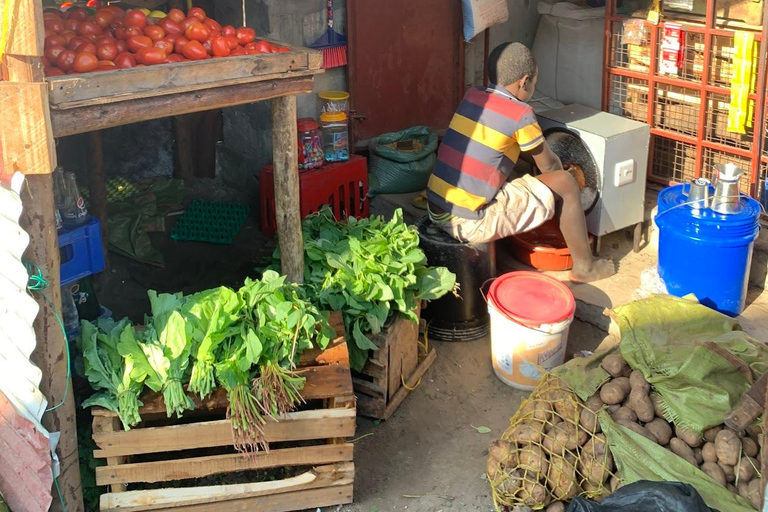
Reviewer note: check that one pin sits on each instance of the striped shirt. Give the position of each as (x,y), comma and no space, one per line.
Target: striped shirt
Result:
(479,151)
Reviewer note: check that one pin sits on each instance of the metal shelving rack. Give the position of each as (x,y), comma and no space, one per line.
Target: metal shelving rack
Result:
(687,112)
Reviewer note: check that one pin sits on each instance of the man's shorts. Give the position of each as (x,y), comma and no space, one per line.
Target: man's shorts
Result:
(520,205)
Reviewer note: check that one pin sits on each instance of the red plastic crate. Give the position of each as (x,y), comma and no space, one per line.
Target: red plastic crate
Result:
(343,186)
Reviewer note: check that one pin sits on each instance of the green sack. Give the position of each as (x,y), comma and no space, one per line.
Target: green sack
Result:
(399,171)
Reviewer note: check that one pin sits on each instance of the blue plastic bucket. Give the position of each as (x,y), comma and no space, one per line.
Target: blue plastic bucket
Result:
(706,253)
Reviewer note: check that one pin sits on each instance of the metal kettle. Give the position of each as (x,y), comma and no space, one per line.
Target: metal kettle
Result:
(727,198)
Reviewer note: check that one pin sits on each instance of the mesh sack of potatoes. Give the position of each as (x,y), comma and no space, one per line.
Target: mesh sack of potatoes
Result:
(552,451)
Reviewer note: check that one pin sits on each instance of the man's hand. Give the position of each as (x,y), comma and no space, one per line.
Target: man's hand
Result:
(546,159)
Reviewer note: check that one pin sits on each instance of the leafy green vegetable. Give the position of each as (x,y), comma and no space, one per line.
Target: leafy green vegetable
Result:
(112,376)
(369,269)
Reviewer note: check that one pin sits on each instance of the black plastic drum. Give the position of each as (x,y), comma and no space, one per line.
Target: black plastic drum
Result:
(462,318)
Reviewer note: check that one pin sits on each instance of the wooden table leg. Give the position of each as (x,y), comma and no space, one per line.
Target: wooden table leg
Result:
(287,209)
(183,147)
(97,186)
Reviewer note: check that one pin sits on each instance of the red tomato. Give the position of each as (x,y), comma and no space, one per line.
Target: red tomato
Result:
(54,24)
(212,24)
(170,26)
(259,46)
(122,46)
(66,59)
(194,50)
(93,3)
(150,56)
(125,60)
(87,47)
(214,33)
(228,30)
(71,25)
(107,51)
(52,52)
(232,42)
(55,40)
(48,32)
(136,43)
(51,71)
(68,35)
(133,31)
(105,40)
(179,44)
(172,37)
(117,11)
(135,18)
(154,32)
(197,12)
(207,46)
(46,63)
(220,47)
(176,15)
(51,15)
(77,42)
(164,45)
(77,13)
(118,23)
(197,32)
(107,63)
(88,28)
(103,18)
(175,57)
(282,49)
(238,52)
(120,34)
(187,22)
(245,35)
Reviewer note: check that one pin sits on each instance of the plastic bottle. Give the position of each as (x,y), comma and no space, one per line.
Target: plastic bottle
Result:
(69,312)
(75,212)
(335,136)
(59,194)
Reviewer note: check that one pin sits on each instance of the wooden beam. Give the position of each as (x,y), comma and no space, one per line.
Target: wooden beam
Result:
(184,149)
(286,170)
(98,117)
(29,144)
(97,186)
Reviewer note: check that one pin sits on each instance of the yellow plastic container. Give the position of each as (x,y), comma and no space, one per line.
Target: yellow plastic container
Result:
(333,101)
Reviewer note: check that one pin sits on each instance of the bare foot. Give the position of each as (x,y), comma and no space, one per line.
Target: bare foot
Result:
(597,270)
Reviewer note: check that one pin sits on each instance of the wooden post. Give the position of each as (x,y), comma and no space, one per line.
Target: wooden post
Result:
(286,165)
(97,186)
(22,65)
(184,147)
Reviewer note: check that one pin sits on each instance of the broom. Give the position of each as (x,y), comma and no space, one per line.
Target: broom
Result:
(332,44)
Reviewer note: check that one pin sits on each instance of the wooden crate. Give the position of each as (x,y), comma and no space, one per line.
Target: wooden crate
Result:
(162,450)
(393,370)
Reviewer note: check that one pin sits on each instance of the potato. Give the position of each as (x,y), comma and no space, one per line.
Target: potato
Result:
(708,452)
(714,471)
(641,404)
(624,413)
(692,439)
(749,446)
(615,484)
(731,488)
(754,430)
(613,364)
(501,451)
(660,430)
(613,408)
(533,494)
(656,401)
(743,488)
(537,410)
(550,426)
(747,468)
(612,393)
(511,484)
(557,506)
(491,468)
(564,436)
(711,433)
(728,447)
(533,458)
(529,432)
(753,493)
(637,381)
(681,448)
(637,429)
(568,407)
(698,455)
(562,477)
(728,471)
(624,383)
(595,461)
(588,415)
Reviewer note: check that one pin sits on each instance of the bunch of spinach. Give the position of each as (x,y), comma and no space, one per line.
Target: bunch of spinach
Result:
(368,269)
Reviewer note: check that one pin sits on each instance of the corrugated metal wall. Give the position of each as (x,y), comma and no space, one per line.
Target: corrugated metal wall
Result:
(25,474)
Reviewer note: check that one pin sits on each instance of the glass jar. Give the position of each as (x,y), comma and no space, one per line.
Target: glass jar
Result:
(335,136)
(334,101)
(310,143)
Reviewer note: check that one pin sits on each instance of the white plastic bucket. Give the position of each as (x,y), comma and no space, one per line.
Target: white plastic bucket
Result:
(522,348)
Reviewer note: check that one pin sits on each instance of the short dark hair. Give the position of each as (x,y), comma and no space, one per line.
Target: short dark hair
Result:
(510,62)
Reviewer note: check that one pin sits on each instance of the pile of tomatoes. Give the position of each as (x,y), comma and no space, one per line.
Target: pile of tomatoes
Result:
(83,40)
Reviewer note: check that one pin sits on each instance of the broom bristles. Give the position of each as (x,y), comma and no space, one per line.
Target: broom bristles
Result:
(334,57)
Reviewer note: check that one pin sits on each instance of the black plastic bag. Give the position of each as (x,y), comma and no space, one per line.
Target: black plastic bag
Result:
(645,496)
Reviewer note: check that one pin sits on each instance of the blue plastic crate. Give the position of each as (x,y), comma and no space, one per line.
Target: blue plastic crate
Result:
(82,253)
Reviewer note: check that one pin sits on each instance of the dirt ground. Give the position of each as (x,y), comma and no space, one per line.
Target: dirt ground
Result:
(428,456)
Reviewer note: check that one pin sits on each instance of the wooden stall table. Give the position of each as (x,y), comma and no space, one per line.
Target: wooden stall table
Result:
(94,101)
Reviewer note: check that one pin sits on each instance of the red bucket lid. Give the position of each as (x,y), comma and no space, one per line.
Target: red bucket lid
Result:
(531,298)
(307,124)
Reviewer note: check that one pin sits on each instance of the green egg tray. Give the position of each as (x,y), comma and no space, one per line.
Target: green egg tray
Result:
(206,221)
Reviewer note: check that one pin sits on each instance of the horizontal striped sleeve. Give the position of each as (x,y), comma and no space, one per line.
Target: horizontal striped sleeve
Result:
(455,195)
(482,134)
